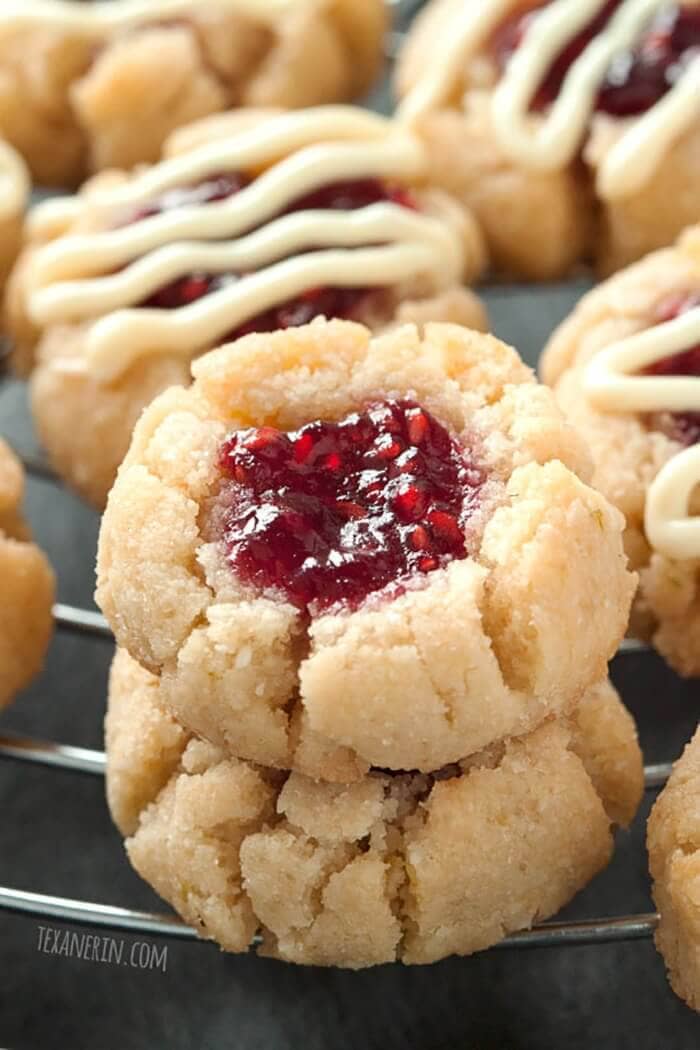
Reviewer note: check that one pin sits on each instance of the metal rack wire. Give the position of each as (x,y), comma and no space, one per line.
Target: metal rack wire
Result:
(91,625)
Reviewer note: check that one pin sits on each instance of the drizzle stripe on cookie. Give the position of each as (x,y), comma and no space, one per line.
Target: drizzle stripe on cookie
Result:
(635,157)
(611,387)
(84,276)
(467,35)
(669,527)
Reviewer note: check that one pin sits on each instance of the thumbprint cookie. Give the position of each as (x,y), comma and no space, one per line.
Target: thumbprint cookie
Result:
(105,83)
(253,222)
(571,127)
(405,866)
(341,551)
(626,370)
(26,587)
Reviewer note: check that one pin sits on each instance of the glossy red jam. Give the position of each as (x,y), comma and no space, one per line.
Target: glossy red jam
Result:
(686,425)
(637,78)
(336,511)
(325,301)
(215,188)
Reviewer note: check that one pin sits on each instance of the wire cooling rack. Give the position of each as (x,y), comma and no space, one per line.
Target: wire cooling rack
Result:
(63,757)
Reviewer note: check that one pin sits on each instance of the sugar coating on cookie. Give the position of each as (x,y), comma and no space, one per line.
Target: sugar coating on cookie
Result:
(509,593)
(253,221)
(27,587)
(508,127)
(409,867)
(108,85)
(673,839)
(641,418)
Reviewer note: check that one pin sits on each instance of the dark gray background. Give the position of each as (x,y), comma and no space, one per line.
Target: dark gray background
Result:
(56,837)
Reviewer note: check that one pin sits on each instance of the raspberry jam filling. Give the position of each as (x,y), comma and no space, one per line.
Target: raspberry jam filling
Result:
(336,511)
(685,425)
(215,188)
(329,302)
(637,78)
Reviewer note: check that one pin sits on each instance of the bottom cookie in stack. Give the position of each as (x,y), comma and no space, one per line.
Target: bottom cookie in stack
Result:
(406,866)
(674,854)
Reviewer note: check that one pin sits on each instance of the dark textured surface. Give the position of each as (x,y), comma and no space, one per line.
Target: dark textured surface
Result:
(55,837)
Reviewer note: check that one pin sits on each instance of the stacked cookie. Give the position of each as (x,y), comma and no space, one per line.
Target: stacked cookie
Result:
(366,601)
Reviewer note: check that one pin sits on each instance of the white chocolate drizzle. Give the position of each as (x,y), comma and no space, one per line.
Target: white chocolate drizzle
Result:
(102,275)
(551,141)
(467,35)
(101,18)
(15,182)
(611,386)
(51,217)
(670,528)
(636,156)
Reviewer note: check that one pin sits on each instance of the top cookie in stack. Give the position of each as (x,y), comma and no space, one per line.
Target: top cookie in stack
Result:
(341,552)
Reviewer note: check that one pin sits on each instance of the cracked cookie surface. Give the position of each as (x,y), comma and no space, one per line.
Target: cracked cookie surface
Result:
(416,676)
(408,866)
